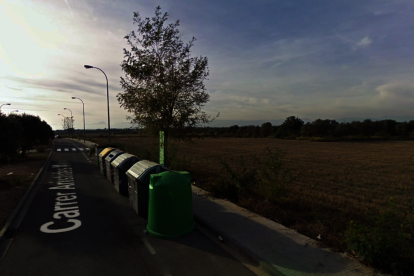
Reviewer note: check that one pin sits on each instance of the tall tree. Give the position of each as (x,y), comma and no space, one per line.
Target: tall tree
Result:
(290,127)
(266,129)
(163,85)
(67,124)
(35,132)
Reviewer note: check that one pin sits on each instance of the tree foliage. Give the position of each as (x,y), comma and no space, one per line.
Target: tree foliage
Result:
(67,124)
(266,129)
(35,132)
(290,127)
(10,136)
(22,133)
(163,85)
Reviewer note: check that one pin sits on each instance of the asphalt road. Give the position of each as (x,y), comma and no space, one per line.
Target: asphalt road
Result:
(77,224)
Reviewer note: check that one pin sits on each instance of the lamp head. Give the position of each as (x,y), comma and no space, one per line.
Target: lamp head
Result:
(88,66)
(64,108)
(74,98)
(7,104)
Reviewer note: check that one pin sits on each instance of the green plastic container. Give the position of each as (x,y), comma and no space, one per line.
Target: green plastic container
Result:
(170,207)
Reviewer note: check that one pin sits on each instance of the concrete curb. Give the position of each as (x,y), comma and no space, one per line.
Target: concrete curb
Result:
(7,229)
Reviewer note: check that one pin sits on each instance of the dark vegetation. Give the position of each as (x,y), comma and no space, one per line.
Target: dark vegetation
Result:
(318,130)
(21,133)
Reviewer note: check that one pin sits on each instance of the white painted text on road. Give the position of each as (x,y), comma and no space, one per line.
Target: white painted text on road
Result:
(66,208)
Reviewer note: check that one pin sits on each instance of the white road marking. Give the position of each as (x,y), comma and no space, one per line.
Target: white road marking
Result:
(81,149)
(58,149)
(64,181)
(73,149)
(66,149)
(148,245)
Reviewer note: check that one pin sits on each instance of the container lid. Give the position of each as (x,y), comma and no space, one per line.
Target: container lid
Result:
(105,152)
(113,154)
(119,159)
(141,168)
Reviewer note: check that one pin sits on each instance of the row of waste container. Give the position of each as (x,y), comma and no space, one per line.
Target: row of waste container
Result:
(161,196)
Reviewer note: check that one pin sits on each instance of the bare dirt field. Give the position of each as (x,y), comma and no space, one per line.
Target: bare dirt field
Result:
(13,186)
(351,176)
(337,181)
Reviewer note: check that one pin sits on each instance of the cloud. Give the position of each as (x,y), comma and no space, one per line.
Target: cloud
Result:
(72,84)
(67,3)
(364,42)
(396,94)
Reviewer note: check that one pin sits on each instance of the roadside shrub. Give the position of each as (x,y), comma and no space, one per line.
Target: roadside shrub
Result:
(242,177)
(223,189)
(384,239)
(273,178)
(176,163)
(268,178)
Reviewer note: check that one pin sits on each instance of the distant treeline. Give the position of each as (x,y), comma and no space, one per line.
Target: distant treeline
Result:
(294,128)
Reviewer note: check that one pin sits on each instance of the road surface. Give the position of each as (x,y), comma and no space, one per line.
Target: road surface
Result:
(77,224)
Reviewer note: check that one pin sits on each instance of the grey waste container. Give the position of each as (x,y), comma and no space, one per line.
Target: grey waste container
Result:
(121,165)
(101,158)
(98,150)
(108,159)
(138,184)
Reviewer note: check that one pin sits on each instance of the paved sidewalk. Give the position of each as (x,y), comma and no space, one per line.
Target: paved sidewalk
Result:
(275,247)
(86,143)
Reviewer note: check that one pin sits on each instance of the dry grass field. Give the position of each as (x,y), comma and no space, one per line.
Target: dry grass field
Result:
(336,181)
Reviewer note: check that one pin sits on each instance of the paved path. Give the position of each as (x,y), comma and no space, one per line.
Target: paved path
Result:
(77,224)
(274,246)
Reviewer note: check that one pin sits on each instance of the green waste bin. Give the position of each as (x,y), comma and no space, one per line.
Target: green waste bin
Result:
(170,208)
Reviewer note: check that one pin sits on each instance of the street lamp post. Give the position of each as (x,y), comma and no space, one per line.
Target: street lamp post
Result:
(63,119)
(4,104)
(107,98)
(83,117)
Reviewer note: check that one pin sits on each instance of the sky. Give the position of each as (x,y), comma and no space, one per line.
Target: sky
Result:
(267,59)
